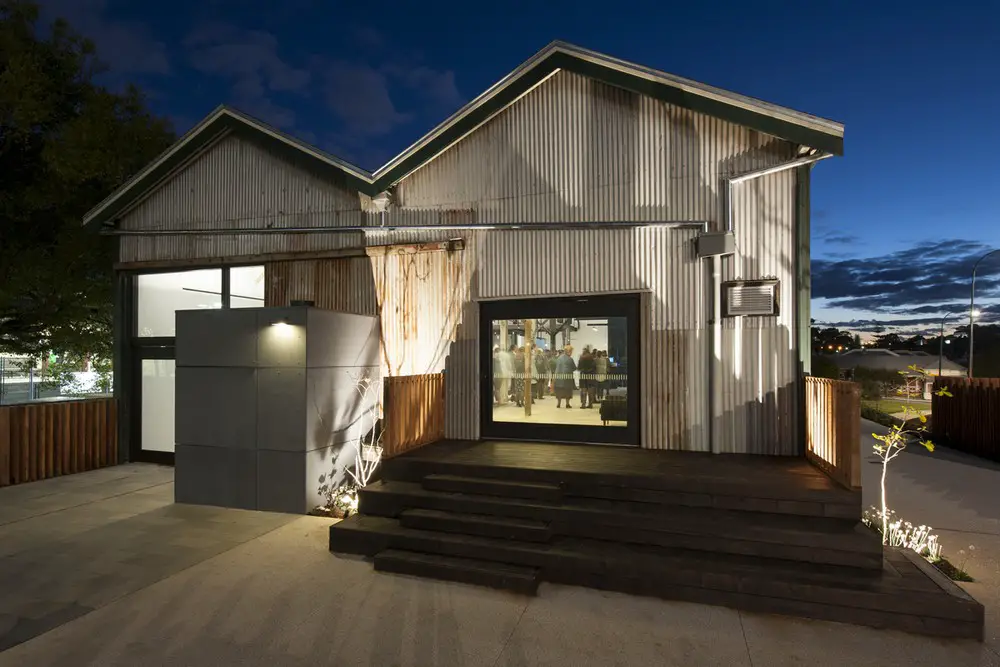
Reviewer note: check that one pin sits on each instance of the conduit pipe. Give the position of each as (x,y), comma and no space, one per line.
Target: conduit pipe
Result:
(715,348)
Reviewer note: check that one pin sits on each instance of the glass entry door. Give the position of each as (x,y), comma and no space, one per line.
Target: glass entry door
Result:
(561,370)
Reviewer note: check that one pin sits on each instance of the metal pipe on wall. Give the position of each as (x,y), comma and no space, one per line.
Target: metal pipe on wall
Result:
(400,228)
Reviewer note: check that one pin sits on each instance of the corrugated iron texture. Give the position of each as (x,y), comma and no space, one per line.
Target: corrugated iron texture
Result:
(759,388)
(575,149)
(578,150)
(238,184)
(658,261)
(344,285)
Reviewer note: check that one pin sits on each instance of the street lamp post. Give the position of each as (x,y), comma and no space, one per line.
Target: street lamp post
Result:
(972,305)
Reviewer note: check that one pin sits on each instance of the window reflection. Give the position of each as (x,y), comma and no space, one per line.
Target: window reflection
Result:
(560,371)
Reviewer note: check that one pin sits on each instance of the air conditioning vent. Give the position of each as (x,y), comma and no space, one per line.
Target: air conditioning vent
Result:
(750,298)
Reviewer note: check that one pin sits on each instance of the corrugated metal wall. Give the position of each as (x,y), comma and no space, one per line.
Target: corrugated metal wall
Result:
(345,285)
(660,262)
(236,183)
(577,150)
(572,150)
(760,355)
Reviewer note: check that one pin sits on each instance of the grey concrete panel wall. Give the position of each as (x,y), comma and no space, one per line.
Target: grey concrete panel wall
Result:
(283,346)
(257,426)
(341,339)
(335,409)
(216,406)
(216,338)
(281,482)
(281,408)
(216,476)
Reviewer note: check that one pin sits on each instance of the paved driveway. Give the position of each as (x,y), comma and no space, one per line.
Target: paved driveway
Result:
(122,577)
(959,496)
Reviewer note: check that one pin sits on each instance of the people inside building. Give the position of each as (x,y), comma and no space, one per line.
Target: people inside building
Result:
(541,379)
(601,363)
(506,365)
(564,382)
(518,376)
(588,374)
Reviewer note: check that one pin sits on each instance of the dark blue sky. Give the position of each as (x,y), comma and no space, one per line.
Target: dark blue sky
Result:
(897,221)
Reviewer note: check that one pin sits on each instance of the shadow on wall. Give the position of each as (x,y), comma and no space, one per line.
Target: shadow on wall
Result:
(760,394)
(343,411)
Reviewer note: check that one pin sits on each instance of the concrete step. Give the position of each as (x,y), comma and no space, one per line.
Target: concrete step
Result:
(492,487)
(484,525)
(821,542)
(513,578)
(908,595)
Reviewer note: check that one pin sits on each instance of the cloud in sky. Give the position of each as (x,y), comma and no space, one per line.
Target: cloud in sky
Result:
(911,287)
(127,47)
(250,61)
(367,101)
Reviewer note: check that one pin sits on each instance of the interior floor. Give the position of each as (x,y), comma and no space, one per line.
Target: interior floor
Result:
(544,411)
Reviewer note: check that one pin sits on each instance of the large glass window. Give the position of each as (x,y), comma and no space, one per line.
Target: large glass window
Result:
(160,295)
(566,371)
(246,287)
(158,404)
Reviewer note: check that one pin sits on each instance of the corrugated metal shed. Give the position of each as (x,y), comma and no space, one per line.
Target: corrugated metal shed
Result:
(572,150)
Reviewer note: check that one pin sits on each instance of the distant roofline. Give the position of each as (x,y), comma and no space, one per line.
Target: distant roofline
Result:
(795,126)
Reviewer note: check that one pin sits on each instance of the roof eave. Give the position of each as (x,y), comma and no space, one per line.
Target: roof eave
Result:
(218,124)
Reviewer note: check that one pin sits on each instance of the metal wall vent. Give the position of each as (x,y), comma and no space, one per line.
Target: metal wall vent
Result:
(750,298)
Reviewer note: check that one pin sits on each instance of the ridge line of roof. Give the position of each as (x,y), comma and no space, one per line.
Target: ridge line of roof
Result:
(405,162)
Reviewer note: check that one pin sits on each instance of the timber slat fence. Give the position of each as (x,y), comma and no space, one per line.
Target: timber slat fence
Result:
(413,413)
(833,428)
(49,439)
(969,419)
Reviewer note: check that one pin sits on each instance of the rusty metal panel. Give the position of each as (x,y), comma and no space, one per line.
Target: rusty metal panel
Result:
(238,184)
(344,285)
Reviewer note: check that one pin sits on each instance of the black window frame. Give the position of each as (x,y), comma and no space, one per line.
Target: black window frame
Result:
(139,348)
(579,307)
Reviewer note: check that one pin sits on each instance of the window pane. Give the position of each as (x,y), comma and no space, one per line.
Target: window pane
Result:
(162,294)
(158,404)
(577,373)
(246,287)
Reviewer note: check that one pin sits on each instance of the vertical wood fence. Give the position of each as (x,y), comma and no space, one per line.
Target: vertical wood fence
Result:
(413,413)
(833,428)
(969,419)
(52,438)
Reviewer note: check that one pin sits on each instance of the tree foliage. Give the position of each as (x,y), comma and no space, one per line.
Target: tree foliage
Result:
(65,143)
(831,339)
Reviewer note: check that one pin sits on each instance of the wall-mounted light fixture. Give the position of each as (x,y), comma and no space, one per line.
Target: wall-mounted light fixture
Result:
(283,322)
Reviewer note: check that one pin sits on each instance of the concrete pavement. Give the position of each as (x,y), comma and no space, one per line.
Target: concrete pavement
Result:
(272,594)
(959,496)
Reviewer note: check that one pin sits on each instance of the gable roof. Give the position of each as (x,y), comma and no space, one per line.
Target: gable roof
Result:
(794,126)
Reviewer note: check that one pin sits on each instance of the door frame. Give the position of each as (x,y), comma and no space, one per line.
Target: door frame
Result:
(582,307)
(158,349)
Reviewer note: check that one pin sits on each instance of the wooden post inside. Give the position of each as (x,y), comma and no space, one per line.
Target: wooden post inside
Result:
(529,344)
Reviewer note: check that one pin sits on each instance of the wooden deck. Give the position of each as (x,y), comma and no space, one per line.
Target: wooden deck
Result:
(751,477)
(752,532)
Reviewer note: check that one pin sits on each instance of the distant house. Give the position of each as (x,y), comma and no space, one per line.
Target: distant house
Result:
(895,360)
(898,361)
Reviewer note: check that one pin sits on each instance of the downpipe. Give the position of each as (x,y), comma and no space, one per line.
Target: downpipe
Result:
(715,383)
